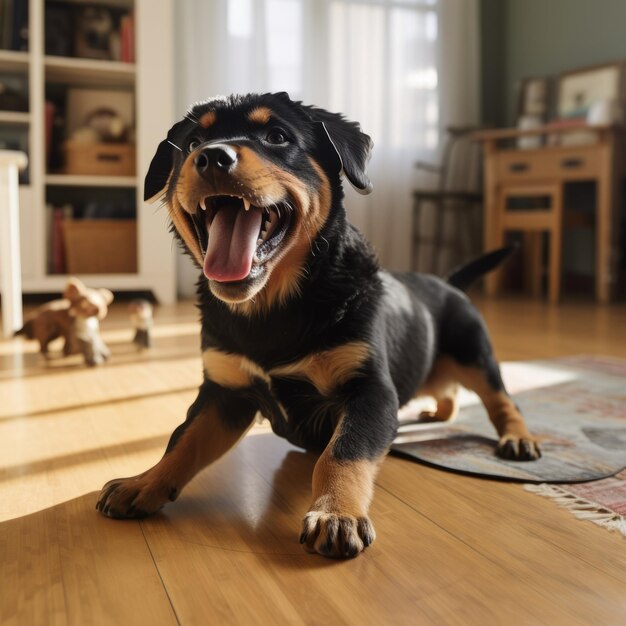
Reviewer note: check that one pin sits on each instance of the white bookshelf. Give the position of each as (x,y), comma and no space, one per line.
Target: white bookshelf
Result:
(151,80)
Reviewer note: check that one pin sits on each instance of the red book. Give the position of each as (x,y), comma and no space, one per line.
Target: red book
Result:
(58,249)
(131,38)
(127,39)
(124,39)
(49,117)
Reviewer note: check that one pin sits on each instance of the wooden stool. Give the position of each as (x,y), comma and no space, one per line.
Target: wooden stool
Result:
(532,223)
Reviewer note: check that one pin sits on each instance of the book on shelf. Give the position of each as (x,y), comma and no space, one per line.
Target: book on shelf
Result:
(14,25)
(127,38)
(49,110)
(56,248)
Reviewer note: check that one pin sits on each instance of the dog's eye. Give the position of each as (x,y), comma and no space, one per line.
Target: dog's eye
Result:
(193,144)
(276,136)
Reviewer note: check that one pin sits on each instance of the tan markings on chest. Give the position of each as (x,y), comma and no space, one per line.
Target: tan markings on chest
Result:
(327,369)
(231,370)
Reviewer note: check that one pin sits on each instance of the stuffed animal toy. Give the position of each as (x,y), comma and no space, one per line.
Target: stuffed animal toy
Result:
(76,317)
(140,312)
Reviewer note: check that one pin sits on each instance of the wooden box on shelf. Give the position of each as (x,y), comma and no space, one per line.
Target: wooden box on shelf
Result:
(100,246)
(99,159)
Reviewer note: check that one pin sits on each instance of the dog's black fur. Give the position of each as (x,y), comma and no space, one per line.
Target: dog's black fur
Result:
(408,323)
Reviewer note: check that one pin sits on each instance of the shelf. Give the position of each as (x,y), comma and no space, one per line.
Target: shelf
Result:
(11,60)
(50,283)
(89,72)
(69,180)
(14,117)
(116,4)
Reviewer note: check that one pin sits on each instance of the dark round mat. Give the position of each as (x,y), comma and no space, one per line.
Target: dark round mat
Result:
(576,406)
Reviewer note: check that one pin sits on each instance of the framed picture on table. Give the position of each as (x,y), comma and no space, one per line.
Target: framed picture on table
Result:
(536,98)
(579,90)
(534,108)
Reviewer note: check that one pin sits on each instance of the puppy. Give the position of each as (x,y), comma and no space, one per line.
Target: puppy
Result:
(298,320)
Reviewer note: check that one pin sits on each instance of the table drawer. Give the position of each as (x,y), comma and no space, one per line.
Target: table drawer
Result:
(539,165)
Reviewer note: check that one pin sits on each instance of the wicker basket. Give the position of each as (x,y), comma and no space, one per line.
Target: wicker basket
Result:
(100,246)
(99,159)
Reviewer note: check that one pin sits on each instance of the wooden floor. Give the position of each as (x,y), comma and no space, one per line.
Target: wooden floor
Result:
(450,549)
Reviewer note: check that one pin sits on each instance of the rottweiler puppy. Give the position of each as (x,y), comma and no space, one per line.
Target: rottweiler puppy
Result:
(299,321)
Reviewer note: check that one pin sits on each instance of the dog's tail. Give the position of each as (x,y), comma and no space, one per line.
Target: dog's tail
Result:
(463,277)
(26,330)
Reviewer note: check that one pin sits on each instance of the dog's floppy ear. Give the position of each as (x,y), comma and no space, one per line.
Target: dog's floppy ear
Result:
(75,289)
(161,165)
(352,147)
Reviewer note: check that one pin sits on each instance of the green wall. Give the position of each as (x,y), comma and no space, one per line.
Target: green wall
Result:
(536,37)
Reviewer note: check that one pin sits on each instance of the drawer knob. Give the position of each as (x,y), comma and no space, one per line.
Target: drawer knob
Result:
(518,167)
(572,163)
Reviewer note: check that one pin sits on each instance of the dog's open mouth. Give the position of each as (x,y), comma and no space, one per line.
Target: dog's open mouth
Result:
(236,237)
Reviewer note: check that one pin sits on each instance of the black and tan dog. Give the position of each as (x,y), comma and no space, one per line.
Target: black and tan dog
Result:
(298,320)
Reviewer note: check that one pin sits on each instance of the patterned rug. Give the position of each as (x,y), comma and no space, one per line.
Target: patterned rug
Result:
(575,405)
(602,502)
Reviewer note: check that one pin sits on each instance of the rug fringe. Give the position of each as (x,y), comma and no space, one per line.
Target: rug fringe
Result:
(581,508)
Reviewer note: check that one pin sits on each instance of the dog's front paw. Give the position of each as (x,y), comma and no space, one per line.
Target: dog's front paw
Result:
(336,536)
(518,449)
(133,497)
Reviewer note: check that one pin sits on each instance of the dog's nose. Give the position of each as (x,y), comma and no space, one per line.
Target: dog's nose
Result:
(221,156)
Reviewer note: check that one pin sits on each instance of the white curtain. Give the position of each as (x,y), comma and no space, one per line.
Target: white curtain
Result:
(404,69)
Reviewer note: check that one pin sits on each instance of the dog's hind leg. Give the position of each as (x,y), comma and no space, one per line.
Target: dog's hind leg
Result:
(483,378)
(467,356)
(516,442)
(447,405)
(215,422)
(444,390)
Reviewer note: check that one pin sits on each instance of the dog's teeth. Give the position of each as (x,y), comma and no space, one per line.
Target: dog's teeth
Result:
(203,204)
(246,204)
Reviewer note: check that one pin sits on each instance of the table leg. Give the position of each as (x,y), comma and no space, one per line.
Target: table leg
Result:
(532,249)
(607,213)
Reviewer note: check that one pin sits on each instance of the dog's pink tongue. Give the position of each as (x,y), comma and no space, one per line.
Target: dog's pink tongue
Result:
(233,234)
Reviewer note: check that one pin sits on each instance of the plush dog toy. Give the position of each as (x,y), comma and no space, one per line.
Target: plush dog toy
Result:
(76,317)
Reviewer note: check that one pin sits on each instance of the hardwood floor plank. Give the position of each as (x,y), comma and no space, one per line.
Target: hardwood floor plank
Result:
(232,535)
(67,565)
(509,527)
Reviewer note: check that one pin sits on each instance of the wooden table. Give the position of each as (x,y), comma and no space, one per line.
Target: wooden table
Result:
(600,162)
